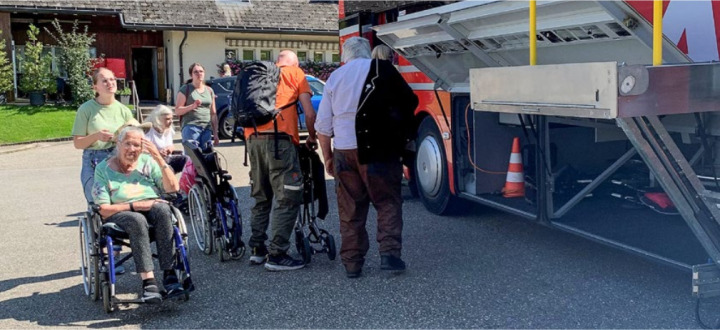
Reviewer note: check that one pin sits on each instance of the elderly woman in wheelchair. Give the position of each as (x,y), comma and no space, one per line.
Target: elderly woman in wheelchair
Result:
(126,192)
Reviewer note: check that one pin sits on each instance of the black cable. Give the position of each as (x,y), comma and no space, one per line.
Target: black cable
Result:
(540,148)
(703,140)
(699,320)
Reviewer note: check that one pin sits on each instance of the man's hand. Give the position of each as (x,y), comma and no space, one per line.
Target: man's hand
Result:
(329,166)
(311,142)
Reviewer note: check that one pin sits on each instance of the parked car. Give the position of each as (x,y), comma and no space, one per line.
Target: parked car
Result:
(223,88)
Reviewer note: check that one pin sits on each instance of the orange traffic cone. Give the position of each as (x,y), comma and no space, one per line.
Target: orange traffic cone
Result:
(515,181)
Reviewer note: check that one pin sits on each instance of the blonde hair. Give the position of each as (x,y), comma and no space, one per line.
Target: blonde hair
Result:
(156,116)
(382,52)
(226,69)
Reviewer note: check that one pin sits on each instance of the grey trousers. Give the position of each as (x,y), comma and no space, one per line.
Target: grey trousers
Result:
(136,225)
(280,179)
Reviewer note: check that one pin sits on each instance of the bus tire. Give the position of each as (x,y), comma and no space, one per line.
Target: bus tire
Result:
(430,169)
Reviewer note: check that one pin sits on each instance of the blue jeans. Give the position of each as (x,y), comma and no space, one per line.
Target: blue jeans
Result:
(200,136)
(91,158)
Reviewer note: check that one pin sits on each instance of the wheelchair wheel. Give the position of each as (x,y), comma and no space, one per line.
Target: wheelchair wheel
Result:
(200,220)
(329,242)
(182,266)
(85,253)
(92,255)
(222,249)
(107,300)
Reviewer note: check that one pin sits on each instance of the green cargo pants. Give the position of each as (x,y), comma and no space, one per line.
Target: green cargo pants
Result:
(274,178)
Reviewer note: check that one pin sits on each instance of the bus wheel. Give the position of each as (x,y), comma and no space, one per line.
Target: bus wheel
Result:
(431,173)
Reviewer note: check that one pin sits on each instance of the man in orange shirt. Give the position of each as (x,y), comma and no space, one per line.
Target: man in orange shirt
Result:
(280,177)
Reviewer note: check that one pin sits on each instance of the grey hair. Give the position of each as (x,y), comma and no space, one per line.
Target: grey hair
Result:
(382,52)
(156,116)
(355,47)
(124,132)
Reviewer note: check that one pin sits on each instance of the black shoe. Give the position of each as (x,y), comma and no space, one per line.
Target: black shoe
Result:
(171,284)
(353,273)
(259,255)
(151,293)
(391,263)
(282,262)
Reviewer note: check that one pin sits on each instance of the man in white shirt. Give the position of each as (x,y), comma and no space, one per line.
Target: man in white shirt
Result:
(367,111)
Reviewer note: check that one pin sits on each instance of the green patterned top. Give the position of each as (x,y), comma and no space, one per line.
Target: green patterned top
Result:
(112,187)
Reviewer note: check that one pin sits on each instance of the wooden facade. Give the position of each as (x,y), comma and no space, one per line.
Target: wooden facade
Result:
(111,40)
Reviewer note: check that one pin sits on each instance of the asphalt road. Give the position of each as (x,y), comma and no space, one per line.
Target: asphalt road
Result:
(482,269)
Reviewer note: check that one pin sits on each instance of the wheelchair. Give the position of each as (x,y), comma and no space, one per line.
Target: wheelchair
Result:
(98,262)
(213,206)
(310,239)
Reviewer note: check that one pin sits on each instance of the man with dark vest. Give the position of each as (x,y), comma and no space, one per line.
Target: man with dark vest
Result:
(367,111)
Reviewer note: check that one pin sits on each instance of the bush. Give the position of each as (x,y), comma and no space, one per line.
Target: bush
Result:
(75,57)
(36,67)
(6,74)
(320,70)
(123,92)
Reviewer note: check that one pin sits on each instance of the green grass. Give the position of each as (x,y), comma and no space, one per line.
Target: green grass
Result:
(28,123)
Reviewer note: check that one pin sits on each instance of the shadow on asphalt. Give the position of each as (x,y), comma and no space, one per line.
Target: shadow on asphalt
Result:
(65,224)
(9,284)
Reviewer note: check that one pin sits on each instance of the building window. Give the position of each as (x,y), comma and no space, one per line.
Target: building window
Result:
(248,55)
(302,56)
(231,54)
(318,57)
(336,58)
(266,55)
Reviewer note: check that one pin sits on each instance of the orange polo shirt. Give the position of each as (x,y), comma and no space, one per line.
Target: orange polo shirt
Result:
(292,84)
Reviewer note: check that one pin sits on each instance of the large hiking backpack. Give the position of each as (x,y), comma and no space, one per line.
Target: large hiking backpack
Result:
(253,100)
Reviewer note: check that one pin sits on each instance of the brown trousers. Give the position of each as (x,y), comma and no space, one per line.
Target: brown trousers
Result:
(356,186)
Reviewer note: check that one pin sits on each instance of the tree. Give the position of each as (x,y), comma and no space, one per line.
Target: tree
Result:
(75,58)
(6,74)
(37,72)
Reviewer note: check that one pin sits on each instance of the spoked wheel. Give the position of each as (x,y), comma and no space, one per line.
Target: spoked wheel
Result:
(329,244)
(85,256)
(107,300)
(92,256)
(200,221)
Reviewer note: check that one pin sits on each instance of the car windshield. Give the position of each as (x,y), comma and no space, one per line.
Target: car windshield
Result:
(317,87)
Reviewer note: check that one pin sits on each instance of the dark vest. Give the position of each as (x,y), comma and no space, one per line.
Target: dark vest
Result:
(384,120)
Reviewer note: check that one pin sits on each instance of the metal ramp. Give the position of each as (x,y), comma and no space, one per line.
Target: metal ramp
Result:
(480,47)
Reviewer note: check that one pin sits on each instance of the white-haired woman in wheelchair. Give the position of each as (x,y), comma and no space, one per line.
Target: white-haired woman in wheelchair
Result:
(161,134)
(127,189)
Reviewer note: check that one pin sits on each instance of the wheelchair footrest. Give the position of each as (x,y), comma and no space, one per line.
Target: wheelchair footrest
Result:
(706,280)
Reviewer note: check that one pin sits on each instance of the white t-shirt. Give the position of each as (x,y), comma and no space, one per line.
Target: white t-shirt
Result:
(161,141)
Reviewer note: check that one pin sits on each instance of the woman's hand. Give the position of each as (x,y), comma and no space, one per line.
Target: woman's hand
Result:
(104,135)
(197,104)
(146,205)
(216,140)
(164,152)
(150,148)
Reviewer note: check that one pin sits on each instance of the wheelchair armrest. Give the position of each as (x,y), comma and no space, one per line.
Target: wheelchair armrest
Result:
(226,176)
(94,207)
(169,196)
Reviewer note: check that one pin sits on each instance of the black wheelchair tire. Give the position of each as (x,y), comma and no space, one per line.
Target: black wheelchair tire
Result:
(94,258)
(331,248)
(307,250)
(107,300)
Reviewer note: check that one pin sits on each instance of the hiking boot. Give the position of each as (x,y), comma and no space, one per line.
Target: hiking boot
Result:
(353,273)
(282,262)
(259,255)
(391,263)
